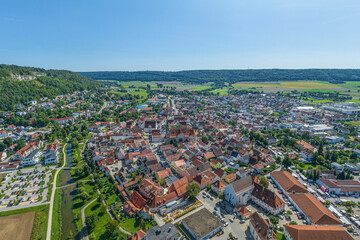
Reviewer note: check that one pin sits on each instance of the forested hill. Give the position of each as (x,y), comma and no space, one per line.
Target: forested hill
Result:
(19,85)
(231,76)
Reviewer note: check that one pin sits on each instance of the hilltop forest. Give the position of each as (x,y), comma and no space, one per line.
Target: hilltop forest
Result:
(218,77)
(19,85)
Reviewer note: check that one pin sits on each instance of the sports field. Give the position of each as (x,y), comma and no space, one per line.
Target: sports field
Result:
(18,226)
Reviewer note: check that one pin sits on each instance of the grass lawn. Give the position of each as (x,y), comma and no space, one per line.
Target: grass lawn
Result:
(50,186)
(57,221)
(40,221)
(112,199)
(221,91)
(99,232)
(280,236)
(133,224)
(306,166)
(313,100)
(58,178)
(78,204)
(353,123)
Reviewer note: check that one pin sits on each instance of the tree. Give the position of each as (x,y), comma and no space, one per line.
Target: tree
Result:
(192,189)
(274,220)
(91,220)
(75,143)
(111,226)
(222,195)
(83,196)
(293,223)
(2,146)
(287,162)
(263,181)
(8,141)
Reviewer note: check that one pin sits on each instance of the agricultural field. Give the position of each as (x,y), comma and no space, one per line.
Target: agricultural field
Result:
(10,226)
(308,85)
(33,222)
(256,85)
(299,85)
(142,93)
(221,91)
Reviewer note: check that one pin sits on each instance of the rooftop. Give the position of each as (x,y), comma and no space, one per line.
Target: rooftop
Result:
(202,222)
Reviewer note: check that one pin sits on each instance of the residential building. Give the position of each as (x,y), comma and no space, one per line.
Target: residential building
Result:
(267,200)
(260,228)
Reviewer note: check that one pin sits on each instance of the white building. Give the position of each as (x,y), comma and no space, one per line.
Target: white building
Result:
(239,192)
(33,158)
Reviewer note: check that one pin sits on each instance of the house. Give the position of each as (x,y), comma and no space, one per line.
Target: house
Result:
(350,166)
(239,191)
(63,121)
(337,166)
(305,145)
(314,211)
(157,138)
(3,156)
(51,153)
(267,200)
(242,212)
(182,134)
(148,188)
(218,187)
(23,152)
(307,154)
(260,228)
(315,232)
(3,134)
(165,232)
(164,173)
(258,168)
(33,158)
(244,156)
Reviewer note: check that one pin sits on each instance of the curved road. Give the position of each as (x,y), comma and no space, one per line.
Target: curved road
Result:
(48,234)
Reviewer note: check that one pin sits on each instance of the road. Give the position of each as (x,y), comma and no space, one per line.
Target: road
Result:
(102,108)
(233,227)
(48,234)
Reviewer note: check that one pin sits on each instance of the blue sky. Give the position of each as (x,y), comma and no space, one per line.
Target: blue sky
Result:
(87,35)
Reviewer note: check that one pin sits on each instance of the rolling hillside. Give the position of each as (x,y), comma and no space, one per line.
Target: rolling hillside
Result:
(19,85)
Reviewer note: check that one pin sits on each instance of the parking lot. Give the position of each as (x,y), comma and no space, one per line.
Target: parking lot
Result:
(24,188)
(224,211)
